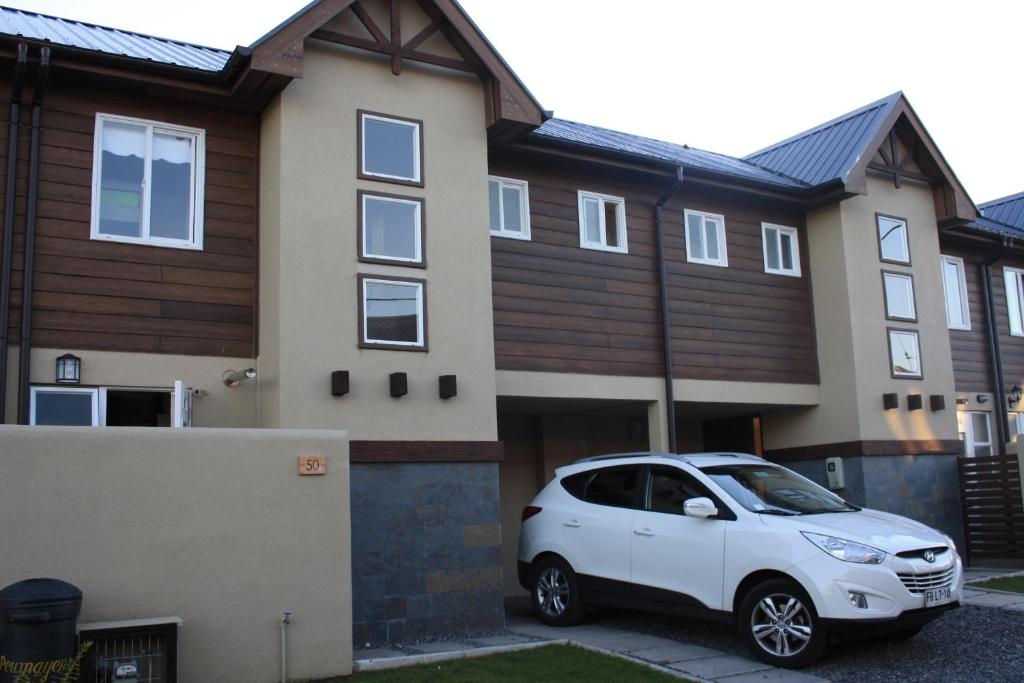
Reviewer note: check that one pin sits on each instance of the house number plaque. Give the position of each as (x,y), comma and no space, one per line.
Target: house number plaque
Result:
(312,465)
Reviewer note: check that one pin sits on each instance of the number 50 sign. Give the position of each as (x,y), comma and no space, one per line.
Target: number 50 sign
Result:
(312,465)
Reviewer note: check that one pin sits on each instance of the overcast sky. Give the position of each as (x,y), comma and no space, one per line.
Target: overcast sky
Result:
(723,75)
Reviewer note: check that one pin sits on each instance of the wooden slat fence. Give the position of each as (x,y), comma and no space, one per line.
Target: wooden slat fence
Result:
(990,488)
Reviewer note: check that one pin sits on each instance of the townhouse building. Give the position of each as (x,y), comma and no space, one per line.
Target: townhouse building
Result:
(366,221)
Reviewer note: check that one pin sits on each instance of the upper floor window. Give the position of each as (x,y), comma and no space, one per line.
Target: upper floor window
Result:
(893,244)
(147,185)
(390,149)
(392,313)
(1014,300)
(602,222)
(509,202)
(781,250)
(390,229)
(954,283)
(705,238)
(899,296)
(905,354)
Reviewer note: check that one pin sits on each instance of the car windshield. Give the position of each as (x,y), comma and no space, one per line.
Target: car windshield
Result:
(775,490)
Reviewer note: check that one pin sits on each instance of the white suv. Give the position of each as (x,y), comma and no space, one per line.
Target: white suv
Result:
(736,538)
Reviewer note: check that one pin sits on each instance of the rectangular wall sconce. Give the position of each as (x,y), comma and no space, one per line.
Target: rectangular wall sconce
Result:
(915,401)
(938,402)
(447,386)
(399,384)
(339,382)
(890,401)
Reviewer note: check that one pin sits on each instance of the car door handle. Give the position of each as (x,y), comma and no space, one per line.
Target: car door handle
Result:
(572,524)
(643,532)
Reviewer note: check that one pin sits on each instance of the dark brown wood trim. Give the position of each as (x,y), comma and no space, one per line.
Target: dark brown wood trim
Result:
(359,150)
(866,449)
(920,361)
(363,344)
(426,451)
(422,263)
(885,298)
(878,238)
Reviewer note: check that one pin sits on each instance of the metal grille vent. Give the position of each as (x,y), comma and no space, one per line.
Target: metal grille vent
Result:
(919,583)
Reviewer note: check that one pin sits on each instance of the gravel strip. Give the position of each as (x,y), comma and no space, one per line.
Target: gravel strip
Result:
(968,644)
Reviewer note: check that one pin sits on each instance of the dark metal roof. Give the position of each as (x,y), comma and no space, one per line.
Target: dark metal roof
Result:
(1008,210)
(987,225)
(830,151)
(614,141)
(42,27)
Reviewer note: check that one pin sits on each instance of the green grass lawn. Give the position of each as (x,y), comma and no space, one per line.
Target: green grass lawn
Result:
(551,663)
(1014,584)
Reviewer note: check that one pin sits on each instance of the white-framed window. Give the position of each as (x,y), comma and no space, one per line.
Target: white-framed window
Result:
(65,406)
(1015,420)
(602,222)
(147,182)
(509,202)
(391,148)
(391,229)
(975,432)
(705,238)
(904,354)
(392,313)
(954,284)
(893,243)
(899,296)
(781,250)
(1014,299)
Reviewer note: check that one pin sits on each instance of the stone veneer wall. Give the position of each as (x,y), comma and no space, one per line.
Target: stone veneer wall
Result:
(426,550)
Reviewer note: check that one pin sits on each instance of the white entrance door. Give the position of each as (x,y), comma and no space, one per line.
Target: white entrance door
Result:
(181,405)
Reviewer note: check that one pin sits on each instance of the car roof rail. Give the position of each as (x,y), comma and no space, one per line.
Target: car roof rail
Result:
(616,456)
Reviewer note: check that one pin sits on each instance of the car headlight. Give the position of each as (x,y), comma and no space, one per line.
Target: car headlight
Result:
(844,550)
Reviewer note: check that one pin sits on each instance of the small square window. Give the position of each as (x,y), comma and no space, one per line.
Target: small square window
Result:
(392,313)
(893,245)
(509,203)
(390,229)
(904,354)
(77,407)
(705,238)
(899,296)
(390,149)
(602,222)
(781,250)
(954,284)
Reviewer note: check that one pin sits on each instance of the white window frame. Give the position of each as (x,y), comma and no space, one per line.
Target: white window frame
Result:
(1015,419)
(906,238)
(421,340)
(723,254)
(99,412)
(961,276)
(920,362)
(620,217)
(794,240)
(1012,278)
(416,179)
(418,239)
(198,181)
(886,274)
(970,444)
(524,207)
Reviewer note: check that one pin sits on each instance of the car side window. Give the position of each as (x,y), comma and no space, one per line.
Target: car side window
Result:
(671,487)
(615,486)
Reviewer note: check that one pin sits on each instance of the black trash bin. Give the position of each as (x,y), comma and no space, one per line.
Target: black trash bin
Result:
(37,630)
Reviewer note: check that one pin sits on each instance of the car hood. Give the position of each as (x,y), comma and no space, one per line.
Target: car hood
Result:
(882,530)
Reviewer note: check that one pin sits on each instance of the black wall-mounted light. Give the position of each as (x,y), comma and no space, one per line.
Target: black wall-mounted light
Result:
(890,401)
(339,382)
(1014,396)
(938,402)
(69,369)
(914,402)
(447,386)
(399,384)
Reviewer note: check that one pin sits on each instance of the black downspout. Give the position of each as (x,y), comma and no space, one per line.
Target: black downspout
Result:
(666,331)
(6,265)
(995,357)
(28,273)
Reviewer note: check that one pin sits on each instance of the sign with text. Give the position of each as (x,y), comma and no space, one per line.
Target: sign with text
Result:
(312,465)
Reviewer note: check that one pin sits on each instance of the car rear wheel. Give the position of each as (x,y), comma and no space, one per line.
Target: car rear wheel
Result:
(779,626)
(556,593)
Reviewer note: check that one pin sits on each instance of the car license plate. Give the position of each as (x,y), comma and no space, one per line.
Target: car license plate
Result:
(933,597)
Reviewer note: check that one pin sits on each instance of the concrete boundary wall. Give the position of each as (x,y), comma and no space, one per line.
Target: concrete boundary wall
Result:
(211,525)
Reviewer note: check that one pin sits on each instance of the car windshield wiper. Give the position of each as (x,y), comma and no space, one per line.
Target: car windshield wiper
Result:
(848,508)
(784,513)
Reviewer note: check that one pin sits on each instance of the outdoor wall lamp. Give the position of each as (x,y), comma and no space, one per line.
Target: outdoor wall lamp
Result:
(232,378)
(1014,396)
(69,369)
(982,398)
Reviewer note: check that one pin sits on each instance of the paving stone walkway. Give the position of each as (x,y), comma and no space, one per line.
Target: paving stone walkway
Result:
(986,597)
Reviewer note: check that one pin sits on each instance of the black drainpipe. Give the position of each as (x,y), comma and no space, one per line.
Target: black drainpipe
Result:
(995,358)
(6,264)
(666,331)
(28,273)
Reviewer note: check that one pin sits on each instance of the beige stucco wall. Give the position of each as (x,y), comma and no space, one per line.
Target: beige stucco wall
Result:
(851,325)
(308,321)
(219,406)
(210,525)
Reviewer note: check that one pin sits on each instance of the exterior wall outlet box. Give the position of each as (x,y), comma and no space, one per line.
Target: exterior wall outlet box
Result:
(448,386)
(836,475)
(399,384)
(339,382)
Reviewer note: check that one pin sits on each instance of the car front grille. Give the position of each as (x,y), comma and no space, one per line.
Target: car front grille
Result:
(919,583)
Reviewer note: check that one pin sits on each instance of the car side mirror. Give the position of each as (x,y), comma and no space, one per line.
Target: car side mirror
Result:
(701,508)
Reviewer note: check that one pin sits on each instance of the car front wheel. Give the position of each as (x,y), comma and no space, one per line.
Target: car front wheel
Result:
(556,593)
(779,626)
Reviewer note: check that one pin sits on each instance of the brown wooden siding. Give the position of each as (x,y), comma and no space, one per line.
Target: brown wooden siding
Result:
(122,297)
(561,308)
